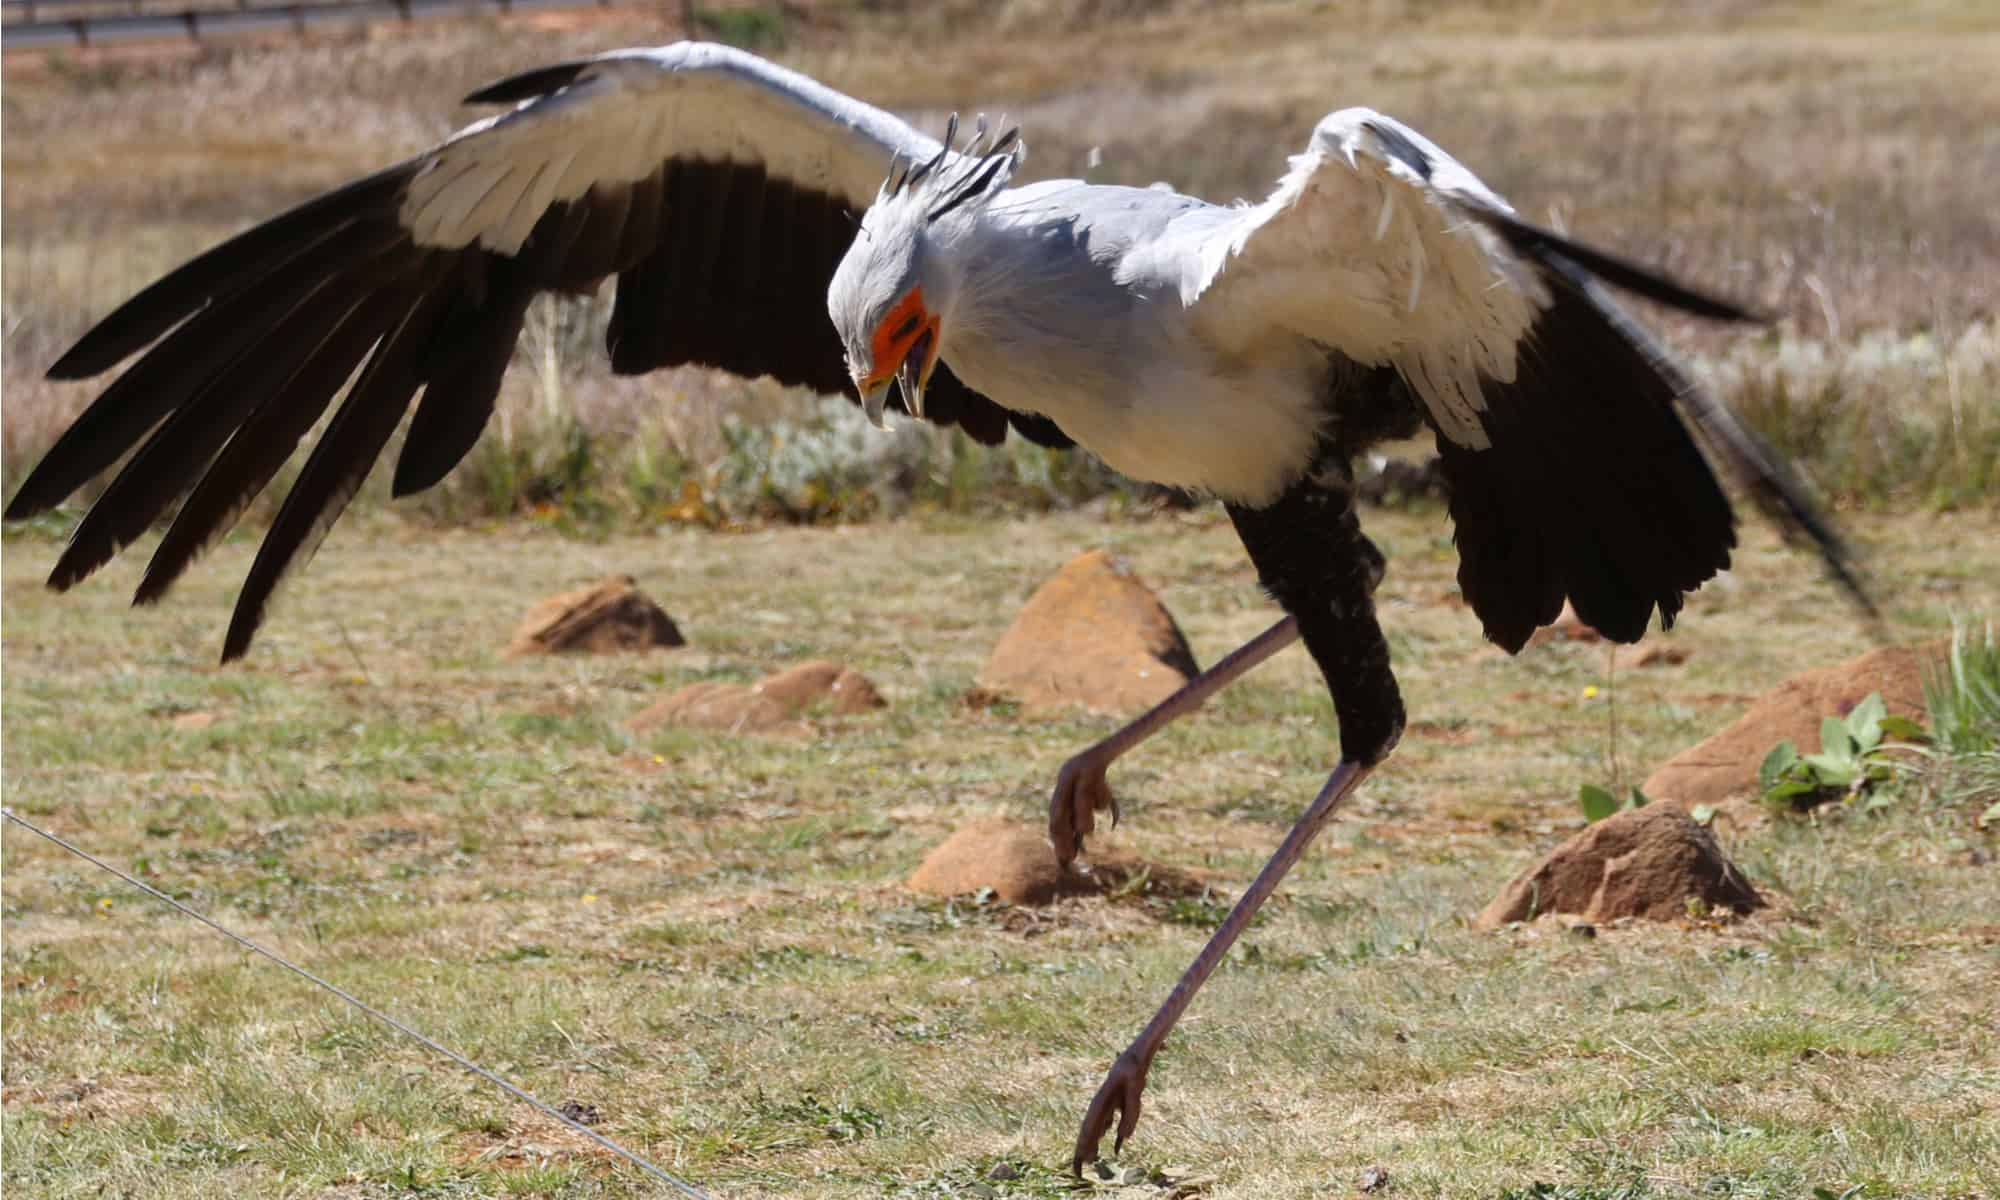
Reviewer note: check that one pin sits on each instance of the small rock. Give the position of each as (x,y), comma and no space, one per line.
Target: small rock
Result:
(716,706)
(1092,635)
(999,859)
(1373,1179)
(581,1113)
(611,616)
(1003,1171)
(771,705)
(1647,862)
(846,690)
(1663,654)
(1012,859)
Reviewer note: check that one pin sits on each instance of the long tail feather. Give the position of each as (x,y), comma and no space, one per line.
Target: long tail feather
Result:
(1535,242)
(1745,457)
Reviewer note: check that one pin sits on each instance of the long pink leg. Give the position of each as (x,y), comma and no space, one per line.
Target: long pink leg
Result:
(1120,1090)
(1080,787)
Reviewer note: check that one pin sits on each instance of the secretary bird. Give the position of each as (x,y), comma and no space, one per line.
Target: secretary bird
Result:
(1245,352)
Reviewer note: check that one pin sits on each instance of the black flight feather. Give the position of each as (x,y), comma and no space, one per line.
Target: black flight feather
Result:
(1591,489)
(529,85)
(466,359)
(1750,462)
(1594,486)
(242,260)
(182,365)
(182,447)
(263,443)
(336,467)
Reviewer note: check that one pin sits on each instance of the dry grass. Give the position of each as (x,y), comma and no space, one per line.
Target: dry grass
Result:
(706,938)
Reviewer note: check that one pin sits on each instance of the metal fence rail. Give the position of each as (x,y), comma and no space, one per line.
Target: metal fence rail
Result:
(52,24)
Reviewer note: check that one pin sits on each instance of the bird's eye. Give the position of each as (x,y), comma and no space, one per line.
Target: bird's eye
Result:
(907,328)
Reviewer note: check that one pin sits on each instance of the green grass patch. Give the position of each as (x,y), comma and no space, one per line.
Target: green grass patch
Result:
(706,940)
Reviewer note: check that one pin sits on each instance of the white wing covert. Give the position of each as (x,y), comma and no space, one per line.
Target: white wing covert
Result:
(1380,246)
(614,119)
(1373,246)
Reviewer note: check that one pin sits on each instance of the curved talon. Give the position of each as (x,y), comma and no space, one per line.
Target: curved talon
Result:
(1120,1094)
(1080,793)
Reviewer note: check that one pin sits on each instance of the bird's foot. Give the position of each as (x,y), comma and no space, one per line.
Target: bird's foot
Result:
(1080,794)
(1119,1094)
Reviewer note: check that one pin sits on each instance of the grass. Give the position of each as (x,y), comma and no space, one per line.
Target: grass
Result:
(1962,764)
(1964,696)
(707,940)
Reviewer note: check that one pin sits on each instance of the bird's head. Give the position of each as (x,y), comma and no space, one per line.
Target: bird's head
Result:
(893,295)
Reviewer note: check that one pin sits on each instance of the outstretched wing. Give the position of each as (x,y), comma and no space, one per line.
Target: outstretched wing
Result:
(721,190)
(1563,427)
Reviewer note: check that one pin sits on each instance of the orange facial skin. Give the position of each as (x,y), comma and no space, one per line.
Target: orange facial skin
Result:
(897,335)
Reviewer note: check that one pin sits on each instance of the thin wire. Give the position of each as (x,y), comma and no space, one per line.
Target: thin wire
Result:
(685,1188)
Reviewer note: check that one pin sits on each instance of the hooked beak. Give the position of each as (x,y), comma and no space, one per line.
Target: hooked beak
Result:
(873,396)
(912,374)
(915,373)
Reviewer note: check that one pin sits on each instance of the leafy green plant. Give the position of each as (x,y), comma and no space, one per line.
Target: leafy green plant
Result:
(1851,759)
(1598,803)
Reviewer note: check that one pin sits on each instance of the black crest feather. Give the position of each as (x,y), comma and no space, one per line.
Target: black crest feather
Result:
(956,173)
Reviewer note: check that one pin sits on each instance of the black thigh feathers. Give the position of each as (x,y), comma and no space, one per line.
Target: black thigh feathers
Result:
(1312,558)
